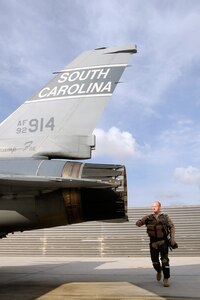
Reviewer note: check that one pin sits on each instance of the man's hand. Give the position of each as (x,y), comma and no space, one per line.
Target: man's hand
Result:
(139,223)
(173,243)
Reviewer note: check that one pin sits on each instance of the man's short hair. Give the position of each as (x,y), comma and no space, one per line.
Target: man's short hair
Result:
(158,203)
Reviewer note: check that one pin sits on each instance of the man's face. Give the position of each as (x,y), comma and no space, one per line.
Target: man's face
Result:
(155,208)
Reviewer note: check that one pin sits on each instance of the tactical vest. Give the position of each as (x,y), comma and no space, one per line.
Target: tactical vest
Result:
(157,228)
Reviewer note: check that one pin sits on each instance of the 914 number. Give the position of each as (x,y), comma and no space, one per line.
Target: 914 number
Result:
(35,125)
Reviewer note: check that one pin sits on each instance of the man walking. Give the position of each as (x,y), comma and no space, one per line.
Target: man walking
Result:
(159,227)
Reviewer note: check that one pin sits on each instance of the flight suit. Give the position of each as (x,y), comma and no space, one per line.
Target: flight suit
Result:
(159,228)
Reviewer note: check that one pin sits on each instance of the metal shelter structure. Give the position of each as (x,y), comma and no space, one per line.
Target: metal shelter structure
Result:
(98,239)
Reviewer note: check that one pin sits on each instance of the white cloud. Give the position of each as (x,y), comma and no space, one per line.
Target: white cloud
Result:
(116,143)
(189,175)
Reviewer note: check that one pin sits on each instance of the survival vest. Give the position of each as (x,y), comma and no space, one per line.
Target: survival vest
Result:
(157,228)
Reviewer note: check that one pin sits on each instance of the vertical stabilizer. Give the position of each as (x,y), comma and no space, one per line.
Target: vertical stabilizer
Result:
(58,121)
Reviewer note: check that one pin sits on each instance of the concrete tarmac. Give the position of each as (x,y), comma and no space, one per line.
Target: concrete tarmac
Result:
(57,278)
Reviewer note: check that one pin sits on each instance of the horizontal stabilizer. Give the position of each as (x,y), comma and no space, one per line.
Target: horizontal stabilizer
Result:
(50,183)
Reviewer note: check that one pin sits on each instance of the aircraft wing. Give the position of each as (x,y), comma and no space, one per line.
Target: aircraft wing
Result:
(48,175)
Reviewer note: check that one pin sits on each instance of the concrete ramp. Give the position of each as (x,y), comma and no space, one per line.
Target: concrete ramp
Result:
(96,279)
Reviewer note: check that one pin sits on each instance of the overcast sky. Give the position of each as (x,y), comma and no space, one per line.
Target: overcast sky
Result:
(151,123)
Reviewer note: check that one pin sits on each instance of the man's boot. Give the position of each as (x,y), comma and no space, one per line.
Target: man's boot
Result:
(165,282)
(158,276)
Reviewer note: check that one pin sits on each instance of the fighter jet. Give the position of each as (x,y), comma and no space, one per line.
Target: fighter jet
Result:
(41,182)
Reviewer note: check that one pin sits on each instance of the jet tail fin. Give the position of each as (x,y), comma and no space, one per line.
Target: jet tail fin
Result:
(58,121)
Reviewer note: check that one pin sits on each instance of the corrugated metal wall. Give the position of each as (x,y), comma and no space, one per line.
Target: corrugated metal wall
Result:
(106,239)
